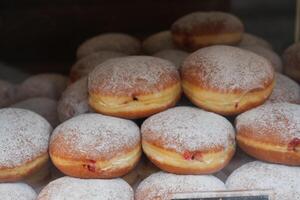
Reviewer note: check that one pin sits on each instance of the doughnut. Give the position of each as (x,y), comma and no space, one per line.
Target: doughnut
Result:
(7,93)
(186,140)
(161,185)
(268,54)
(291,60)
(69,188)
(173,55)
(119,42)
(24,137)
(42,85)
(253,40)
(83,66)
(74,100)
(201,29)
(43,106)
(95,146)
(227,80)
(271,133)
(16,191)
(283,180)
(133,87)
(285,90)
(158,42)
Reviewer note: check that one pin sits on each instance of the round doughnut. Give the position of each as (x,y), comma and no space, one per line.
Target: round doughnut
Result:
(74,100)
(268,54)
(271,133)
(42,85)
(173,55)
(285,90)
(253,40)
(134,86)
(227,80)
(16,191)
(119,42)
(158,42)
(161,185)
(186,140)
(291,60)
(7,93)
(200,29)
(86,64)
(43,106)
(68,188)
(283,180)
(24,137)
(95,146)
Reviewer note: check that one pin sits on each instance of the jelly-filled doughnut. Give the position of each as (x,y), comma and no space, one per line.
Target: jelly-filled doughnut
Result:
(227,80)
(134,86)
(249,39)
(284,181)
(7,93)
(24,137)
(16,191)
(271,133)
(68,188)
(200,29)
(161,185)
(173,55)
(95,146)
(186,140)
(291,61)
(158,42)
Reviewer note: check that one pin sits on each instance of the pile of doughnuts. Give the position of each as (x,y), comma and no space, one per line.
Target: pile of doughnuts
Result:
(176,113)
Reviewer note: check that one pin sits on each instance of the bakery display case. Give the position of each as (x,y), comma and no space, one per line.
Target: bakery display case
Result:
(147,100)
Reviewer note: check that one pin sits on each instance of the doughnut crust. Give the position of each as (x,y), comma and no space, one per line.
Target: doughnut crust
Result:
(133,87)
(253,40)
(227,80)
(175,56)
(95,146)
(158,42)
(186,140)
(201,29)
(291,61)
(271,133)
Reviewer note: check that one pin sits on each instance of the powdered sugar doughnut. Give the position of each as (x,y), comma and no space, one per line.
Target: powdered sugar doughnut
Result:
(285,90)
(271,132)
(85,65)
(200,29)
(7,93)
(42,85)
(291,60)
(24,137)
(173,55)
(227,80)
(69,188)
(134,86)
(43,106)
(283,180)
(74,100)
(95,146)
(158,42)
(160,186)
(119,42)
(253,40)
(16,191)
(186,140)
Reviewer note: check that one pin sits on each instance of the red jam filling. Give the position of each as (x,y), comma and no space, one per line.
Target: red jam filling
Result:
(293,144)
(192,155)
(91,167)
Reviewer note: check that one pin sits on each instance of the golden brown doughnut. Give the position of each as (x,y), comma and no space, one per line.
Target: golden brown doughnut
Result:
(17,191)
(24,137)
(175,56)
(271,133)
(249,39)
(95,146)
(158,42)
(291,60)
(227,80)
(201,29)
(133,87)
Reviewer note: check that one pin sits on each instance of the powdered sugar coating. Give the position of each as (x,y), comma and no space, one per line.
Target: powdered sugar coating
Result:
(68,188)
(132,75)
(95,136)
(285,90)
(173,55)
(24,136)
(226,68)
(253,40)
(158,41)
(188,129)
(7,93)
(284,180)
(281,120)
(16,191)
(163,184)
